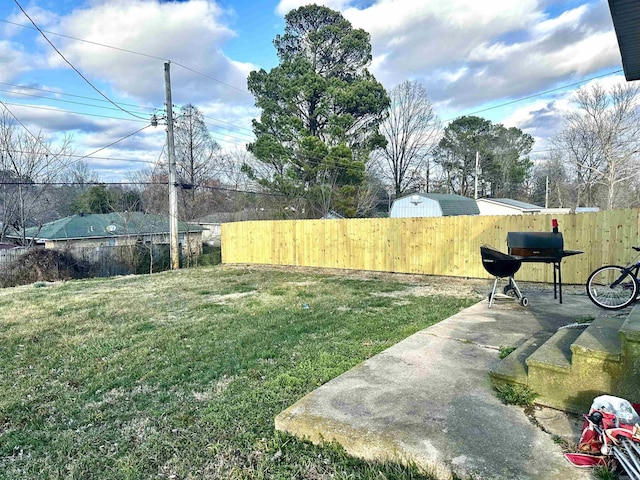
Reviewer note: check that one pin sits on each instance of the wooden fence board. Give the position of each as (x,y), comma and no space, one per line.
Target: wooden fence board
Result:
(434,246)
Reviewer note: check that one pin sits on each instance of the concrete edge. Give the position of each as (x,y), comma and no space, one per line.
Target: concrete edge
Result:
(297,421)
(630,329)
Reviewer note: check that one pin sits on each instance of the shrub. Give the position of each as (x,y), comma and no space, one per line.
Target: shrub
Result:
(504,352)
(210,256)
(514,394)
(40,265)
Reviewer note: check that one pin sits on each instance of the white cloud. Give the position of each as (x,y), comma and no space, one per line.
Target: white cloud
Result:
(193,32)
(543,118)
(468,53)
(13,60)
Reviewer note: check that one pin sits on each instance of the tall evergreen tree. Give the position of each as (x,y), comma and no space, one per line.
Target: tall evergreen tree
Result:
(321,109)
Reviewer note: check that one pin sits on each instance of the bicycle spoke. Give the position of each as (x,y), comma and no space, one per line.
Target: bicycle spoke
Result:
(612,287)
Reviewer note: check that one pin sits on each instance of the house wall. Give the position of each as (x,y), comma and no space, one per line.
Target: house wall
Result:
(424,207)
(211,233)
(191,243)
(487,208)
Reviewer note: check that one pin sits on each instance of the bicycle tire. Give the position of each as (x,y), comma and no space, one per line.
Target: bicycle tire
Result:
(601,292)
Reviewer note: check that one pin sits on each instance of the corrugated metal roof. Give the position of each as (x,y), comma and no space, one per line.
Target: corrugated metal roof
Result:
(514,203)
(626,21)
(452,204)
(106,225)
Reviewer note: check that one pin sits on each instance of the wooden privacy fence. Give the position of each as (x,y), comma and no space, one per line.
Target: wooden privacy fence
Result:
(8,256)
(447,246)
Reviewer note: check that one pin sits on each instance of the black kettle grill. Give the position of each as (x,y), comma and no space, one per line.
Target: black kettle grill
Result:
(501,265)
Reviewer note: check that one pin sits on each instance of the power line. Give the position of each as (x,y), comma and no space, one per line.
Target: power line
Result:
(25,87)
(31,95)
(71,65)
(233,128)
(61,100)
(113,143)
(220,135)
(156,162)
(37,139)
(539,94)
(138,183)
(50,109)
(83,40)
(246,92)
(237,128)
(113,159)
(131,52)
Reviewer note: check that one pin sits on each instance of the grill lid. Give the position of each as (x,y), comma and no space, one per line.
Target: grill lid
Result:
(535,244)
(535,240)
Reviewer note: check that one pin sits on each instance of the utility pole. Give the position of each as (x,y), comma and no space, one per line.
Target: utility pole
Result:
(546,194)
(477,174)
(173,181)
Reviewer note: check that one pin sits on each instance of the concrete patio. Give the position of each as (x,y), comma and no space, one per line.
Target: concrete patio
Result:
(429,400)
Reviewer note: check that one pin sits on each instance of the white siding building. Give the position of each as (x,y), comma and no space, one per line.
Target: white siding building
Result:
(506,206)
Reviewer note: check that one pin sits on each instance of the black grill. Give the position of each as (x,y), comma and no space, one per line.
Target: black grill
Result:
(535,244)
(501,265)
(541,247)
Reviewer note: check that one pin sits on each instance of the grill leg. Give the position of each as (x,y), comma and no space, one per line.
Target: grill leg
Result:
(560,281)
(557,281)
(514,285)
(493,292)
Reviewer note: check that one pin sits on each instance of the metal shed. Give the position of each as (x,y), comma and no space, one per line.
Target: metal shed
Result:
(433,205)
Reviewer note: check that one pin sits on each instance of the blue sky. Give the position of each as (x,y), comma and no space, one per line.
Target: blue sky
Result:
(470,55)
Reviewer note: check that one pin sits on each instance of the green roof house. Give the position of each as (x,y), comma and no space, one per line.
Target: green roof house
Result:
(433,205)
(113,229)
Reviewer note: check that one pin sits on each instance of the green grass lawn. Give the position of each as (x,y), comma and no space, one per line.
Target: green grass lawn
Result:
(179,375)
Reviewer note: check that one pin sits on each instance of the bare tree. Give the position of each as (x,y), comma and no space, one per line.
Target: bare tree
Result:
(29,165)
(412,130)
(197,160)
(232,173)
(153,187)
(602,142)
(550,183)
(75,180)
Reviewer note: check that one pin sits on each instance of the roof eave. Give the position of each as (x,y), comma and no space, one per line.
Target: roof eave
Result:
(626,22)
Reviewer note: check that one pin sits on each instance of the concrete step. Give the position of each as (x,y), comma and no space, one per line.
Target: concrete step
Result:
(630,329)
(577,364)
(512,368)
(600,340)
(549,372)
(629,384)
(569,368)
(555,353)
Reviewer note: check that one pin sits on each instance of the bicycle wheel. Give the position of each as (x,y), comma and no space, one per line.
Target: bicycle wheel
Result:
(612,287)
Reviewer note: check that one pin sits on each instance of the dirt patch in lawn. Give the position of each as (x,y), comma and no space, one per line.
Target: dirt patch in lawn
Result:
(425,285)
(230,297)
